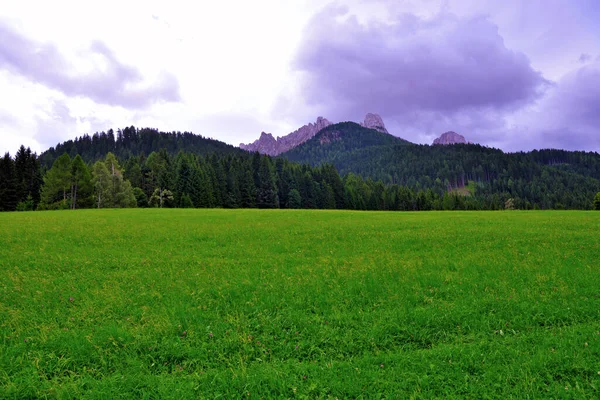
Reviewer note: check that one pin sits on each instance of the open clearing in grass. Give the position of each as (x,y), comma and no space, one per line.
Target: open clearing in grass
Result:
(202,303)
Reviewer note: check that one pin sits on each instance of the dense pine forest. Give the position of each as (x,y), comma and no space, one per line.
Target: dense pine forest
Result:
(344,167)
(547,179)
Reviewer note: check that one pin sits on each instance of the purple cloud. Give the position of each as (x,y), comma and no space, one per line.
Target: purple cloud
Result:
(447,64)
(584,57)
(424,76)
(117,84)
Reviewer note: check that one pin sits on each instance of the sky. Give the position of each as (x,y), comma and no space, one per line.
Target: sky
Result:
(513,74)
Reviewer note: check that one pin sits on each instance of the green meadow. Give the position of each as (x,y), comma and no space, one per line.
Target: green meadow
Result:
(173,303)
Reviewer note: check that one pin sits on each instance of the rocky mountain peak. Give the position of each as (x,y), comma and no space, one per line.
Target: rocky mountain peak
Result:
(450,138)
(374,121)
(266,136)
(267,144)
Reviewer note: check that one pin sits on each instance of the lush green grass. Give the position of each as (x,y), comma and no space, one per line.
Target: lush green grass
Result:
(208,303)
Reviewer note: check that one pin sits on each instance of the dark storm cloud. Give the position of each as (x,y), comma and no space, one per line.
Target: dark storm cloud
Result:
(443,65)
(115,84)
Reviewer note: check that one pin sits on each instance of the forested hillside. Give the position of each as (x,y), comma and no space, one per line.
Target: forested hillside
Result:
(545,178)
(134,142)
(345,166)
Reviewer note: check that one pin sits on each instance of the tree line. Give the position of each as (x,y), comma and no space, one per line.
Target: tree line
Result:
(231,181)
(114,171)
(546,179)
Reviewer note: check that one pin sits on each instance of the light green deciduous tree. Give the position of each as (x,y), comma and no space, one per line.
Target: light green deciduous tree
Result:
(57,184)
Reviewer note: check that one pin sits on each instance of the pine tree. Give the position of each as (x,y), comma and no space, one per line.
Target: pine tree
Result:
(294,199)
(597,201)
(8,184)
(331,176)
(140,197)
(186,201)
(133,171)
(205,189)
(160,174)
(219,180)
(247,188)
(21,168)
(266,194)
(327,196)
(185,181)
(28,175)
(234,195)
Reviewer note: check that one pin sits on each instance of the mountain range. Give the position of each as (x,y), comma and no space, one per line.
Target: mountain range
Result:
(545,178)
(267,144)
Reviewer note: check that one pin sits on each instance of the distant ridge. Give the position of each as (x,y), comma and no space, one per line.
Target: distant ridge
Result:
(132,141)
(267,144)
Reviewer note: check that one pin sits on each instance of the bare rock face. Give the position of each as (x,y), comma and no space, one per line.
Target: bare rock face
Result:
(450,138)
(374,121)
(267,144)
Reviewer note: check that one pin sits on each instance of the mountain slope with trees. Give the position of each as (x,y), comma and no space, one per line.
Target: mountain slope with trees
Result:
(135,142)
(345,166)
(544,178)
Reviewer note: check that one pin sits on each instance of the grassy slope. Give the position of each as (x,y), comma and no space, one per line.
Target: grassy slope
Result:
(197,303)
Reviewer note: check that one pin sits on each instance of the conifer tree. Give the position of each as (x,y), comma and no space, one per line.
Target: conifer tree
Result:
(8,184)
(266,193)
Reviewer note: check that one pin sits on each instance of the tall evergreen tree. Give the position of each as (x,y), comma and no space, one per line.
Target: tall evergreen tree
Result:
(160,172)
(247,188)
(266,193)
(184,180)
(327,196)
(294,199)
(133,171)
(28,175)
(8,184)
(21,169)
(234,195)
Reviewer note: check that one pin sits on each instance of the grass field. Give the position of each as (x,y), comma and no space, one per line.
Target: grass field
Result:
(299,304)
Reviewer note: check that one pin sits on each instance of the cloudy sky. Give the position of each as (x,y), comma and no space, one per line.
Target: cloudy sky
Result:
(513,74)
